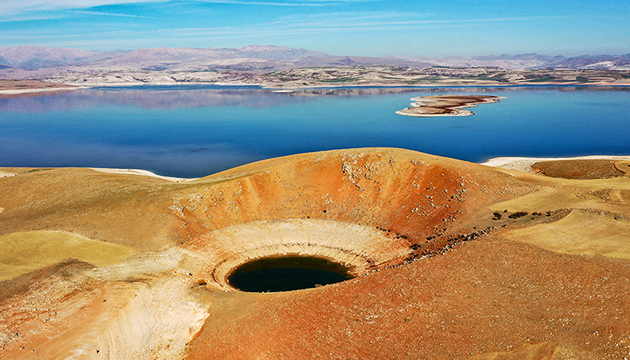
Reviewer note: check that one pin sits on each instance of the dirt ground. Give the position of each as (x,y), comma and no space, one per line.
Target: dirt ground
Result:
(23,88)
(579,169)
(488,296)
(459,261)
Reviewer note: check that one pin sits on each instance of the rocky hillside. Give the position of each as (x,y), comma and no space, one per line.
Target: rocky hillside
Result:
(453,260)
(35,57)
(268,57)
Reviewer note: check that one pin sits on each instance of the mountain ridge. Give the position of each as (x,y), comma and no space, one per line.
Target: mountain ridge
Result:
(271,57)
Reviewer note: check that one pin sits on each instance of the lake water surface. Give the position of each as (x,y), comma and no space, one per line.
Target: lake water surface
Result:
(192,131)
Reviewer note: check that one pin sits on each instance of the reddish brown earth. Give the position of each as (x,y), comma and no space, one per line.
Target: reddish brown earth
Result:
(486,296)
(440,274)
(578,169)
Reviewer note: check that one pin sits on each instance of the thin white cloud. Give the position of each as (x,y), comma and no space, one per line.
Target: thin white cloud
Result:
(111,14)
(308,24)
(266,3)
(26,6)
(358,23)
(350,16)
(285,3)
(367,20)
(282,28)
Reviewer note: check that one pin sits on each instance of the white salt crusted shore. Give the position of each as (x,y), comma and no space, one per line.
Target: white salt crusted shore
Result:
(456,112)
(524,164)
(141,173)
(6,174)
(28,91)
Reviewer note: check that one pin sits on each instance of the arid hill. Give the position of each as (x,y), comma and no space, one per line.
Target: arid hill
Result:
(452,260)
(281,57)
(278,66)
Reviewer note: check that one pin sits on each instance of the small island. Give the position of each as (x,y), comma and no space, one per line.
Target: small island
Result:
(446,105)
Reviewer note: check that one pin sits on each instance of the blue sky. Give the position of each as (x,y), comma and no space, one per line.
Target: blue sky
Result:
(338,27)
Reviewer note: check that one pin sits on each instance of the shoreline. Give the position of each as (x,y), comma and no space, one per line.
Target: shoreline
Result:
(33,91)
(140,172)
(508,162)
(290,89)
(283,89)
(18,87)
(522,164)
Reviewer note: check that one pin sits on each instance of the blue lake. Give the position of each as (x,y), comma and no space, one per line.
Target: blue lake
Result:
(192,131)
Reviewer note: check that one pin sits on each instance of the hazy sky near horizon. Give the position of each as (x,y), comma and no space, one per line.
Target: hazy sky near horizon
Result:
(337,27)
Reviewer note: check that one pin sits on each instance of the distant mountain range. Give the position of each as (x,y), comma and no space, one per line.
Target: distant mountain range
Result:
(268,58)
(535,61)
(36,57)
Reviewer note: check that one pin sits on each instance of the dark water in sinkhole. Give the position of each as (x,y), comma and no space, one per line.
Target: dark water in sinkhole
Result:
(287,273)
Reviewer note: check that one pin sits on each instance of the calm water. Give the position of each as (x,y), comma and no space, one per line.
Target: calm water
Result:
(287,273)
(199,130)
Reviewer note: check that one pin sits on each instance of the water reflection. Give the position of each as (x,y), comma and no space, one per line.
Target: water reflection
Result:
(202,130)
(180,160)
(191,96)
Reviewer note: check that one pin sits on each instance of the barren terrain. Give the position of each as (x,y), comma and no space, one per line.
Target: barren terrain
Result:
(334,76)
(284,67)
(60,79)
(453,260)
(13,88)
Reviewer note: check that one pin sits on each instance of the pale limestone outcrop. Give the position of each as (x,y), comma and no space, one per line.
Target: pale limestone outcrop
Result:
(360,248)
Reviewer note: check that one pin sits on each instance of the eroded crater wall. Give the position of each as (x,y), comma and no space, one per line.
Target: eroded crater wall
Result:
(413,201)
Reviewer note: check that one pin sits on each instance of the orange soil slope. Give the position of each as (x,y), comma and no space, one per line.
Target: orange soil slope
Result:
(436,276)
(485,297)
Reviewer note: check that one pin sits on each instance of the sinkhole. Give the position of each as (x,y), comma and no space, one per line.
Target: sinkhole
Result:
(287,273)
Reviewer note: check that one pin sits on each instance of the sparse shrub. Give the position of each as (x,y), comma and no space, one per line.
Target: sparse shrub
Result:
(517,214)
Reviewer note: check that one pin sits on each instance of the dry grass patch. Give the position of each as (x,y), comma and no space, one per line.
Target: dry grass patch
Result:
(609,195)
(579,169)
(623,166)
(23,252)
(580,233)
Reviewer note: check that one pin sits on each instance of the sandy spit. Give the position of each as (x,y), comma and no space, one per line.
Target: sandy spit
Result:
(141,173)
(525,163)
(27,91)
